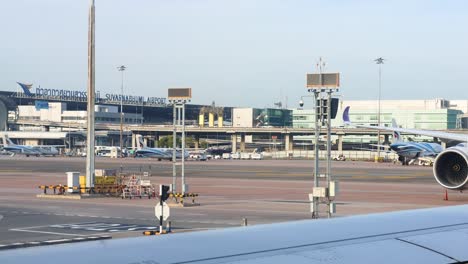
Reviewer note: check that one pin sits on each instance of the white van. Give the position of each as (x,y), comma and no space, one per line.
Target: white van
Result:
(256,156)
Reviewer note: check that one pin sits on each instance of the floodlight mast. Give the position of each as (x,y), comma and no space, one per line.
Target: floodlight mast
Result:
(91,99)
(379,61)
(178,97)
(174,146)
(121,69)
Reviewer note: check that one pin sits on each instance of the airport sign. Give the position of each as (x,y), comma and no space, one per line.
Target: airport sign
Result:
(82,96)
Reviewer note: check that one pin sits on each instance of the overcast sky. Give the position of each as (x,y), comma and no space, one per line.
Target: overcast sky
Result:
(239,52)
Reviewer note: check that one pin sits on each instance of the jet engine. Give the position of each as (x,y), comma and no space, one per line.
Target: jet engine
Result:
(451,168)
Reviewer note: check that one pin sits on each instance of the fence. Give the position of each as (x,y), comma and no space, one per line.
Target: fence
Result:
(349,154)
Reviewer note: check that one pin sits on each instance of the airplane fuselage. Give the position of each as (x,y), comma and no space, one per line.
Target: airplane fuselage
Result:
(152,153)
(414,150)
(24,150)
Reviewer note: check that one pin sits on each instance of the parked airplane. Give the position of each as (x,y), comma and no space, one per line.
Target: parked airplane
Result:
(435,235)
(451,165)
(47,150)
(37,151)
(158,153)
(408,152)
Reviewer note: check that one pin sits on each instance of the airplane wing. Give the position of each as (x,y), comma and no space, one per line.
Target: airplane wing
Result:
(429,133)
(386,151)
(412,146)
(368,149)
(436,235)
(380,146)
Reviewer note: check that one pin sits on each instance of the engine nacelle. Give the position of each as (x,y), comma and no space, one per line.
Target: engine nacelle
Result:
(451,168)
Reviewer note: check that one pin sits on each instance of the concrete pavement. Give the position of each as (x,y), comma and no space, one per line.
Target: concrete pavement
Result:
(262,191)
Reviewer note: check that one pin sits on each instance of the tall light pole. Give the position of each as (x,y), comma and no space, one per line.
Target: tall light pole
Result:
(121,69)
(91,100)
(379,61)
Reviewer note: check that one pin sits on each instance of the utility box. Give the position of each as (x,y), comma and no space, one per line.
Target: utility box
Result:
(332,208)
(333,190)
(320,192)
(73,180)
(82,184)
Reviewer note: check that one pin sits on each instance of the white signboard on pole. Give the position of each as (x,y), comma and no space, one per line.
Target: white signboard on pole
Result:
(162,210)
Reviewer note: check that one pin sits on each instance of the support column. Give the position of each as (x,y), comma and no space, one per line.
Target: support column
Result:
(197,141)
(201,120)
(210,120)
(340,143)
(3,117)
(234,143)
(133,141)
(145,141)
(386,140)
(242,143)
(288,143)
(156,140)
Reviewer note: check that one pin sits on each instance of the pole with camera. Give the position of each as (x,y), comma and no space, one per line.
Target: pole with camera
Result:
(323,86)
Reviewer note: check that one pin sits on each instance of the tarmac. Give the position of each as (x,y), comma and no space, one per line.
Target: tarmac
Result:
(264,191)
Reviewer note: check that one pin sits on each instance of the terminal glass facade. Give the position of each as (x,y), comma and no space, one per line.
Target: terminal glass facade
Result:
(276,117)
(430,119)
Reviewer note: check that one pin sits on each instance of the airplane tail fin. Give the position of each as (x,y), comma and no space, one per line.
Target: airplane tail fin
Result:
(396,135)
(7,141)
(26,88)
(346,119)
(141,142)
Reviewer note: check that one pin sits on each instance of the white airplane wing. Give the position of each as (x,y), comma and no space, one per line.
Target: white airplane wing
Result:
(380,146)
(412,146)
(384,150)
(437,235)
(429,133)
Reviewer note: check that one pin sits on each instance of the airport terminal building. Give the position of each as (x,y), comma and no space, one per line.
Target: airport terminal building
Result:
(70,106)
(433,114)
(49,110)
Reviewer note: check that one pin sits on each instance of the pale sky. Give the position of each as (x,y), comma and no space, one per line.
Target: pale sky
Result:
(239,52)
